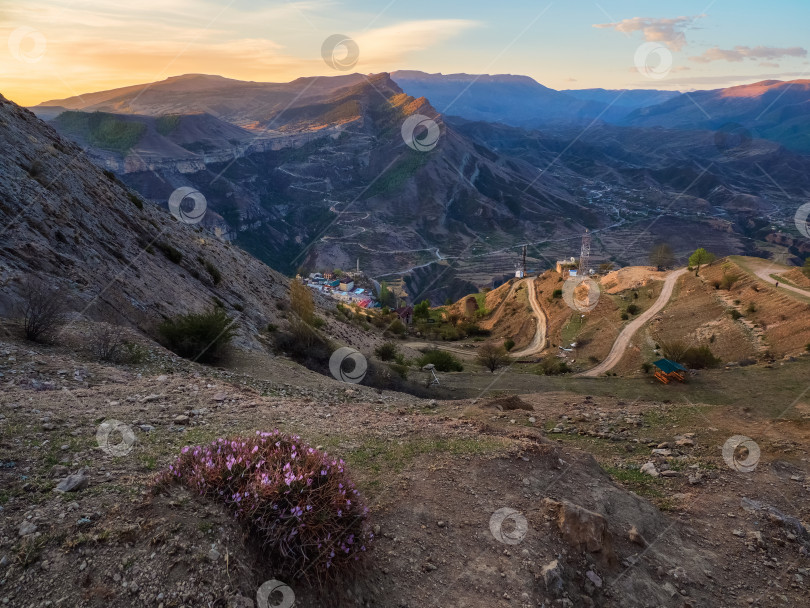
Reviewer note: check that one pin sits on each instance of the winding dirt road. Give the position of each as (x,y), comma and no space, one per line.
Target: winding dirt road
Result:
(537,344)
(623,339)
(764,272)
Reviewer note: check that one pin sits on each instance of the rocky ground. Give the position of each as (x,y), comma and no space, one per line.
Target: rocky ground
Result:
(584,526)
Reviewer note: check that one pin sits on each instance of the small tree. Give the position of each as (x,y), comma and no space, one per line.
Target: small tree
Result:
(422,310)
(699,258)
(661,256)
(301,302)
(387,297)
(43,309)
(492,356)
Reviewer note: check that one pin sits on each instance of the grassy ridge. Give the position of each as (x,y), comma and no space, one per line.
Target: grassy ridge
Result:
(102,130)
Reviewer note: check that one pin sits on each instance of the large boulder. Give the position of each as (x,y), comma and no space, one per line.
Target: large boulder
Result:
(581,528)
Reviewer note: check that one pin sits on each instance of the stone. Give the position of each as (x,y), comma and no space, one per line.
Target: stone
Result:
(670,474)
(685,443)
(649,469)
(27,527)
(220,397)
(553,577)
(59,470)
(151,398)
(181,419)
(213,554)
(582,528)
(635,537)
(74,483)
(594,578)
(661,452)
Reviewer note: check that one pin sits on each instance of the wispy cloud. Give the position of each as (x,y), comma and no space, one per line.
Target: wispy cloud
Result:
(671,32)
(741,53)
(389,45)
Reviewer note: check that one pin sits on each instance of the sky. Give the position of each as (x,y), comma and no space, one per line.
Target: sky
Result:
(52,49)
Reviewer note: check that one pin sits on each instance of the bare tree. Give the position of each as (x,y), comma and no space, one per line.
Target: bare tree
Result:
(43,309)
(662,256)
(492,356)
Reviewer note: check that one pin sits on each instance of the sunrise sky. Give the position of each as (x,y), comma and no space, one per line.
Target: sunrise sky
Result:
(53,49)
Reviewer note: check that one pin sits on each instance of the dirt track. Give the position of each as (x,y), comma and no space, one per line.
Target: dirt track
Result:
(538,343)
(623,340)
(765,272)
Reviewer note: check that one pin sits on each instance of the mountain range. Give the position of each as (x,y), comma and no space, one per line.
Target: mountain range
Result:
(315,173)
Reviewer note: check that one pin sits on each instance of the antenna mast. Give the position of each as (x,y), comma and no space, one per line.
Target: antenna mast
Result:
(585,254)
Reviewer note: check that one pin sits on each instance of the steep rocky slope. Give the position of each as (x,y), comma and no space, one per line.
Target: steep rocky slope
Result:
(67,221)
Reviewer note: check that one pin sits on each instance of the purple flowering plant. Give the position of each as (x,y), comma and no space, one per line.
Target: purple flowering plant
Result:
(296,501)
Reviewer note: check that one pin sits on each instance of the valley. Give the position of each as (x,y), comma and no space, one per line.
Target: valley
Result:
(325,331)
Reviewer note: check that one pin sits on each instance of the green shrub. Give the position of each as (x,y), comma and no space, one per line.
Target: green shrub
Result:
(212,270)
(387,351)
(135,200)
(398,327)
(735,314)
(699,357)
(444,361)
(646,367)
(553,366)
(557,293)
(625,316)
(752,308)
(633,309)
(271,327)
(400,369)
(509,344)
(170,252)
(199,336)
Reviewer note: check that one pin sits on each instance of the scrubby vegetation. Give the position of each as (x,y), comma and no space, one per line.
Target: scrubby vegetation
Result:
(101,130)
(299,504)
(492,356)
(444,361)
(552,366)
(200,337)
(43,309)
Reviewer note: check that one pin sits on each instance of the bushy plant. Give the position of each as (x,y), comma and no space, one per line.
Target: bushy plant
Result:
(43,309)
(199,336)
(509,344)
(297,502)
(699,357)
(633,309)
(553,366)
(387,351)
(444,361)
